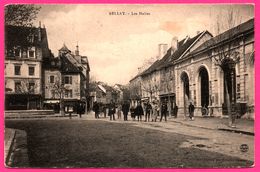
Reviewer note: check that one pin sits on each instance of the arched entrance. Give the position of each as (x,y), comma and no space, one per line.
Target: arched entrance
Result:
(229,84)
(204,87)
(186,91)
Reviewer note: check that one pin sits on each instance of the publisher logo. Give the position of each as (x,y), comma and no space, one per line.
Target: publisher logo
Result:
(244,148)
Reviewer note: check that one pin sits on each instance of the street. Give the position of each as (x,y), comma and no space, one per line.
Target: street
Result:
(88,142)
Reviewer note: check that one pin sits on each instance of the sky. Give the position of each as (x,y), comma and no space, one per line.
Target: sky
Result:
(116,45)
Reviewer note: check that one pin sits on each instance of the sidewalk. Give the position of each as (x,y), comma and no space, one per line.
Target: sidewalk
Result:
(16,148)
(243,126)
(9,143)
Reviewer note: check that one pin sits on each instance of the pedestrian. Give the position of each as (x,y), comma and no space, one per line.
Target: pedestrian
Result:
(80,109)
(163,111)
(175,110)
(125,109)
(112,110)
(105,111)
(96,109)
(139,112)
(132,111)
(119,109)
(148,111)
(191,111)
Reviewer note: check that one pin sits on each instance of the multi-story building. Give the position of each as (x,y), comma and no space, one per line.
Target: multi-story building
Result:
(25,48)
(66,79)
(218,72)
(158,81)
(212,72)
(135,88)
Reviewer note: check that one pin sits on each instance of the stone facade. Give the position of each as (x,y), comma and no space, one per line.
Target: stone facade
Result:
(202,68)
(25,50)
(207,71)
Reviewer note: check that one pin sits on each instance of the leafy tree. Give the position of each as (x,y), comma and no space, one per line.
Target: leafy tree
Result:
(21,15)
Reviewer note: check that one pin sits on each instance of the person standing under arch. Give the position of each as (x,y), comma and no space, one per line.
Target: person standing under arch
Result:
(191,111)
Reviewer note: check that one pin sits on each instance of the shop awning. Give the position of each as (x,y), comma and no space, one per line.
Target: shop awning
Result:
(51,101)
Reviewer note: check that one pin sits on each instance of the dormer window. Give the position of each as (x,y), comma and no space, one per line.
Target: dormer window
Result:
(31,38)
(17,52)
(31,52)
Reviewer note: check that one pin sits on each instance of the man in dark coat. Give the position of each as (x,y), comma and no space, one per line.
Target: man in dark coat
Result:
(164,111)
(191,111)
(125,109)
(96,109)
(139,111)
(175,110)
(112,110)
(81,109)
(148,111)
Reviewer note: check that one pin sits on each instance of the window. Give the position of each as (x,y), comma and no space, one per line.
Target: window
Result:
(68,79)
(68,94)
(31,87)
(52,93)
(31,70)
(24,54)
(31,53)
(238,91)
(17,86)
(17,70)
(17,52)
(51,79)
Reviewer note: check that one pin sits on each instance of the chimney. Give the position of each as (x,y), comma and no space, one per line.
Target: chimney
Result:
(175,44)
(162,50)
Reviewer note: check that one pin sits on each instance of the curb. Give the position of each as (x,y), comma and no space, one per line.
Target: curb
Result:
(28,117)
(221,129)
(18,155)
(9,147)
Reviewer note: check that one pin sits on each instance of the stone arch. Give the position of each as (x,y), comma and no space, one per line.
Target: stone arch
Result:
(185,90)
(203,78)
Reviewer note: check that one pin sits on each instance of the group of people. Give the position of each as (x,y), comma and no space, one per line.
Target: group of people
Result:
(150,111)
(112,110)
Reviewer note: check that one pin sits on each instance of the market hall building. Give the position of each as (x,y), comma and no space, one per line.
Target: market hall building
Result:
(206,71)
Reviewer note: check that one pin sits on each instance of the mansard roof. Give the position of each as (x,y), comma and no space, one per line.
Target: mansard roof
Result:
(27,36)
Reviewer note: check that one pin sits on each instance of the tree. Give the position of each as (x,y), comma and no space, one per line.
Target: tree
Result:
(151,86)
(18,26)
(58,90)
(27,88)
(21,15)
(227,57)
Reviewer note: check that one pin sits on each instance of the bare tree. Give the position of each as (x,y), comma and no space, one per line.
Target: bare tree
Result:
(28,88)
(58,91)
(227,57)
(151,87)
